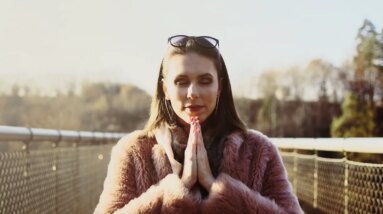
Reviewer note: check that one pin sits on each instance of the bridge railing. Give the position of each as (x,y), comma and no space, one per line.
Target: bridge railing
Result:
(52,171)
(335,185)
(58,171)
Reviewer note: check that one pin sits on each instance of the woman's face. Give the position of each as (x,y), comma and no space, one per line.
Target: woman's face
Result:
(191,84)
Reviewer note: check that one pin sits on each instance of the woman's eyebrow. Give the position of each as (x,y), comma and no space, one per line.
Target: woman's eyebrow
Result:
(181,76)
(201,75)
(206,75)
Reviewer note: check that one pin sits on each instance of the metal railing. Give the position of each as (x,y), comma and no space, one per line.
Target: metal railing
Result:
(58,171)
(52,171)
(335,185)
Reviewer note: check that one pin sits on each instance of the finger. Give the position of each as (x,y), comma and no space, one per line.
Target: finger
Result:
(191,131)
(190,162)
(191,147)
(202,158)
(198,135)
(193,125)
(191,150)
(192,118)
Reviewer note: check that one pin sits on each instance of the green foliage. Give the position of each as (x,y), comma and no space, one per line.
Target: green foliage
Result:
(357,120)
(370,46)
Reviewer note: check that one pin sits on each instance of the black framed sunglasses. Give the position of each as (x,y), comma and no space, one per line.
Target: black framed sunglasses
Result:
(203,41)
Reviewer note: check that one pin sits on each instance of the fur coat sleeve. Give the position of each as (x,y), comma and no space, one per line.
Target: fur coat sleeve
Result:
(120,194)
(272,193)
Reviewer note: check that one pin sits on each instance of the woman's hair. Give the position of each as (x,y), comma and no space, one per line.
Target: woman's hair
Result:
(223,120)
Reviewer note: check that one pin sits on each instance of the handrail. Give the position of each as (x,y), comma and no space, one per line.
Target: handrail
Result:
(360,145)
(37,134)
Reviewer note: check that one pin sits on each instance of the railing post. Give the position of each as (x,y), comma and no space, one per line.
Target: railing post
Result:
(295,169)
(76,179)
(345,183)
(54,169)
(25,148)
(315,202)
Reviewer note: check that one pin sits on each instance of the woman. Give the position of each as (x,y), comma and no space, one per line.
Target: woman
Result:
(195,155)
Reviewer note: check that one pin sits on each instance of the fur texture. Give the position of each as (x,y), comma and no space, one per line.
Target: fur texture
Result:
(252,179)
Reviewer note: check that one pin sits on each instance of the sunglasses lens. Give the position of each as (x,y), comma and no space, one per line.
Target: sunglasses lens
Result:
(208,42)
(203,41)
(178,41)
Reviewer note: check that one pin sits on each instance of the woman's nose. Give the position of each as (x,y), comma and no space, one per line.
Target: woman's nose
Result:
(192,92)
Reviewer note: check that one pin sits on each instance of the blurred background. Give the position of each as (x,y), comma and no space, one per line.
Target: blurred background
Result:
(309,74)
(298,68)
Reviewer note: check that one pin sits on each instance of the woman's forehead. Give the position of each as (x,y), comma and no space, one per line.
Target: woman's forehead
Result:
(191,64)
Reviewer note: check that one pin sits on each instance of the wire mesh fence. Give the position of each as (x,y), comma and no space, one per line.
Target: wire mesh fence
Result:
(53,180)
(42,176)
(365,187)
(61,175)
(336,185)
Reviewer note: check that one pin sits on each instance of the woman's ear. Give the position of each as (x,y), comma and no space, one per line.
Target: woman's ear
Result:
(164,88)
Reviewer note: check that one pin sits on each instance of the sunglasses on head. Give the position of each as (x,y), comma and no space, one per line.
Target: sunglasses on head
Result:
(203,41)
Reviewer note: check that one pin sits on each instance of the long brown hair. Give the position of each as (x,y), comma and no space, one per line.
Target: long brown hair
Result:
(223,121)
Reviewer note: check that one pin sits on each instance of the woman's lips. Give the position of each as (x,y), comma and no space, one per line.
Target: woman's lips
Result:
(194,108)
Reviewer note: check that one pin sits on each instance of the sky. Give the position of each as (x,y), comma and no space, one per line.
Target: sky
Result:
(50,44)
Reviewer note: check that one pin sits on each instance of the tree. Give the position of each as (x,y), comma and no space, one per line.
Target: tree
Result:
(369,48)
(368,80)
(268,83)
(357,119)
(114,107)
(328,81)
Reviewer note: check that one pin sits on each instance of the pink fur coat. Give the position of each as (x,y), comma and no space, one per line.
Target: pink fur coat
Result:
(142,178)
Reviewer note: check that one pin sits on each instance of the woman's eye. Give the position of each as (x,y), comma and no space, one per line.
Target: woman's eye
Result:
(181,82)
(205,81)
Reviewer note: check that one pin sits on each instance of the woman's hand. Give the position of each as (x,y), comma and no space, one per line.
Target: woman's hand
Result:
(189,173)
(205,176)
(196,163)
